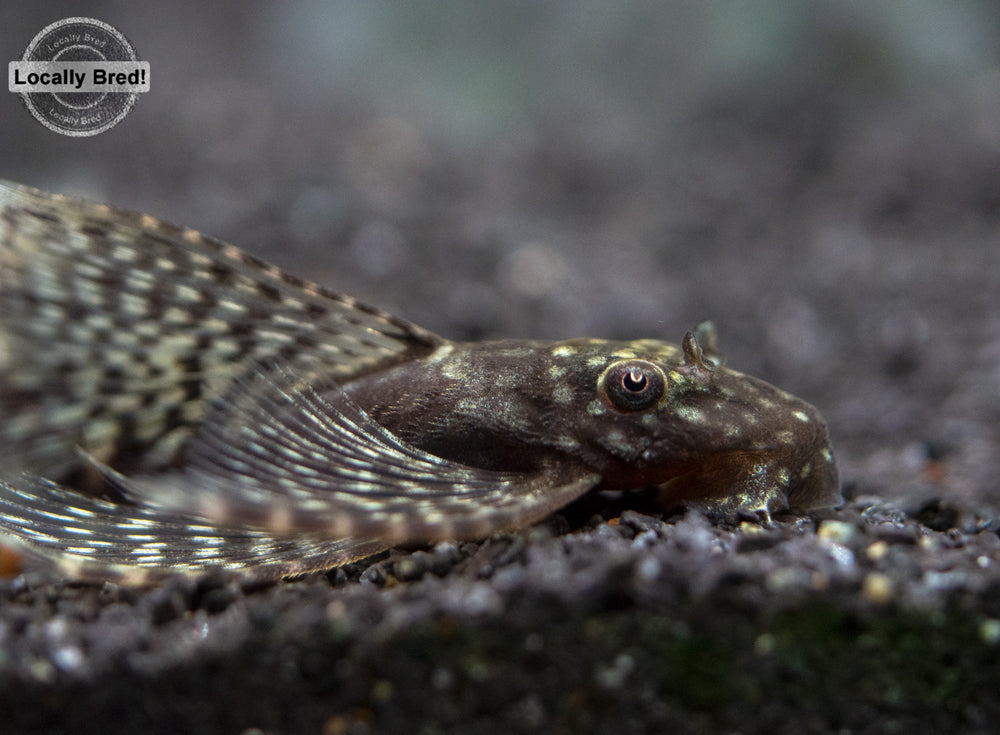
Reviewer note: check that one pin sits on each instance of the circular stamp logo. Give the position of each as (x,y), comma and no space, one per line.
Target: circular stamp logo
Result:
(79,76)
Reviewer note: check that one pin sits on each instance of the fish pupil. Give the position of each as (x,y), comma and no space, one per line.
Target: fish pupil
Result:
(633,385)
(634,380)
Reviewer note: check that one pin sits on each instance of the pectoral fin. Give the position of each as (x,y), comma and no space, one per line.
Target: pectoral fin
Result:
(277,455)
(279,481)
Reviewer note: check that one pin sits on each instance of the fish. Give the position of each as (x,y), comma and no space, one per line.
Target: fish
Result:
(172,404)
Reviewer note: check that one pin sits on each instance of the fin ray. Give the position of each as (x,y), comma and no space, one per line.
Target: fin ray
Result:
(90,537)
(115,328)
(277,454)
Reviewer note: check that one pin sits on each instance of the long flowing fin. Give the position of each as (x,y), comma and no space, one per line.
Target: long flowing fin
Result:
(276,454)
(116,329)
(81,536)
(279,481)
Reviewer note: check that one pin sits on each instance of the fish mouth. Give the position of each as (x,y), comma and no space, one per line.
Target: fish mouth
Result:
(739,483)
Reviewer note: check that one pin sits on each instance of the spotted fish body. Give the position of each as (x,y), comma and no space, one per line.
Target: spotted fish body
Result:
(171,403)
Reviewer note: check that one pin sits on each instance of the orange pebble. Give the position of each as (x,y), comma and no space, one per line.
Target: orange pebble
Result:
(11,562)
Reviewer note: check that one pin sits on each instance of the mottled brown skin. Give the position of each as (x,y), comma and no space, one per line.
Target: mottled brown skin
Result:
(236,416)
(715,435)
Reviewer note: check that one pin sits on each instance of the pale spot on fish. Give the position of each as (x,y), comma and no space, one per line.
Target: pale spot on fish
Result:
(132,304)
(517,352)
(186,293)
(440,353)
(454,371)
(562,394)
(175,315)
(232,306)
(98,321)
(800,416)
(596,408)
(616,440)
(568,442)
(139,280)
(692,415)
(563,351)
(557,371)
(123,253)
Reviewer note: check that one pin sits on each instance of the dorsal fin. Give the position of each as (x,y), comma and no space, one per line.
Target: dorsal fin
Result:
(116,328)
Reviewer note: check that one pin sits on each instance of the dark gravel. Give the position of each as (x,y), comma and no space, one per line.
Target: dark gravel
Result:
(833,204)
(629,624)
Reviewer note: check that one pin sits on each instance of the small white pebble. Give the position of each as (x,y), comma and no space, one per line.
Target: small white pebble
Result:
(763,644)
(614,676)
(836,531)
(68,658)
(442,679)
(649,569)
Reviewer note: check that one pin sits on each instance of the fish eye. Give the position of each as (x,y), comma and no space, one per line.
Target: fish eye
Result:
(633,385)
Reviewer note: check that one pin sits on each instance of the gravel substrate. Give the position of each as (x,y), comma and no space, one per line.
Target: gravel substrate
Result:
(864,620)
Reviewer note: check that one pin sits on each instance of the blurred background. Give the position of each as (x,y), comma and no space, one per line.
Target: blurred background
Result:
(822,179)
